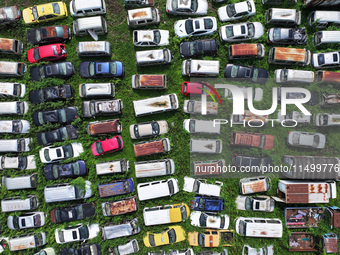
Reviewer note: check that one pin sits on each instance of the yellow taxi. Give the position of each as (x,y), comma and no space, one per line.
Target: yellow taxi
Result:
(170,235)
(211,238)
(44,12)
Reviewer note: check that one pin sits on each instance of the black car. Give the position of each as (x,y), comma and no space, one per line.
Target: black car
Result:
(86,249)
(58,135)
(57,70)
(101,69)
(251,73)
(72,213)
(54,93)
(51,34)
(245,161)
(287,36)
(199,47)
(70,170)
(64,115)
(298,95)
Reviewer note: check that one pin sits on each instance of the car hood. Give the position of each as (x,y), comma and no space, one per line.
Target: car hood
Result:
(31,36)
(93,230)
(77,149)
(35,73)
(184,49)
(34,96)
(84,69)
(164,37)
(179,27)
(259,30)
(71,114)
(195,218)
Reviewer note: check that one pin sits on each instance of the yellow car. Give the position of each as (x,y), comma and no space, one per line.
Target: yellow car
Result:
(170,235)
(211,238)
(44,12)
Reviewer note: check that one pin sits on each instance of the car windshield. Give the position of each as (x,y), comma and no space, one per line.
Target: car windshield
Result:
(231,10)
(255,74)
(276,33)
(242,228)
(91,68)
(61,236)
(184,214)
(229,31)
(35,12)
(316,140)
(194,5)
(47,155)
(62,114)
(172,235)
(203,220)
(155,128)
(113,67)
(284,75)
(9,13)
(189,26)
(234,71)
(208,23)
(55,171)
(62,68)
(68,152)
(263,141)
(37,35)
(56,8)
(192,47)
(156,36)
(152,240)
(251,29)
(36,55)
(321,59)
(99,147)
(201,240)
(59,31)
(76,168)
(249,203)
(83,232)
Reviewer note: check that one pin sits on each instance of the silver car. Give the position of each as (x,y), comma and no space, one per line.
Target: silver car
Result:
(189,7)
(306,139)
(258,203)
(148,129)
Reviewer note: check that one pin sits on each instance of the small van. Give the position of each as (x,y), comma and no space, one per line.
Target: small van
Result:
(126,228)
(143,17)
(195,107)
(112,167)
(14,107)
(27,241)
(324,19)
(246,51)
(94,49)
(97,90)
(326,37)
(80,8)
(201,126)
(151,147)
(19,163)
(153,57)
(193,67)
(157,189)
(289,56)
(166,214)
(11,46)
(84,26)
(66,192)
(327,76)
(149,81)
(116,187)
(12,69)
(284,17)
(293,76)
(15,204)
(10,89)
(15,145)
(259,227)
(155,105)
(104,127)
(205,146)
(208,168)
(327,119)
(119,207)
(254,185)
(154,168)
(28,181)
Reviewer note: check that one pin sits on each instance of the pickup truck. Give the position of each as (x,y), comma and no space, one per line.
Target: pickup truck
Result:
(206,203)
(117,187)
(126,228)
(96,108)
(124,249)
(211,238)
(201,187)
(123,206)
(255,140)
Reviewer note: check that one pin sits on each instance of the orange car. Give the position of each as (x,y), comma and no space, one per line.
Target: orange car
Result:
(256,140)
(211,238)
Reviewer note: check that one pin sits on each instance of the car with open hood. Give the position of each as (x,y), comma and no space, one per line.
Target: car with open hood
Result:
(257,203)
(50,52)
(290,36)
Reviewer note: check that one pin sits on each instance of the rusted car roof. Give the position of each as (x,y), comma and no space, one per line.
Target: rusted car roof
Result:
(151,80)
(244,49)
(6,44)
(123,206)
(330,76)
(290,54)
(148,148)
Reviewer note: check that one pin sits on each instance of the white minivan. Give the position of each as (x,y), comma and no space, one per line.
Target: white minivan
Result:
(201,187)
(14,204)
(193,67)
(15,145)
(259,227)
(27,241)
(12,89)
(79,8)
(154,168)
(112,167)
(28,181)
(157,189)
(14,126)
(165,214)
(14,107)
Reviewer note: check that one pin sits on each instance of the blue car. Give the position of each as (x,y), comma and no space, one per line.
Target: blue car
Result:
(70,170)
(117,187)
(98,69)
(207,204)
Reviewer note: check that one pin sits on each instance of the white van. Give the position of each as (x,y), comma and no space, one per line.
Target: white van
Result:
(194,126)
(154,168)
(14,107)
(84,26)
(12,69)
(193,67)
(15,145)
(259,227)
(112,167)
(20,163)
(11,89)
(324,37)
(155,105)
(94,49)
(28,181)
(205,146)
(11,46)
(143,17)
(14,204)
(157,189)
(153,57)
(324,18)
(27,241)
(286,17)
(292,75)
(14,126)
(97,90)
(79,8)
(66,192)
(201,187)
(165,214)
(327,119)
(195,107)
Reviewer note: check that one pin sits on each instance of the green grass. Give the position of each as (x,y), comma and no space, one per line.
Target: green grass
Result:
(120,37)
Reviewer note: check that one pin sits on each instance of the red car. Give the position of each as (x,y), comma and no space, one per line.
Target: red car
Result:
(51,52)
(108,145)
(194,88)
